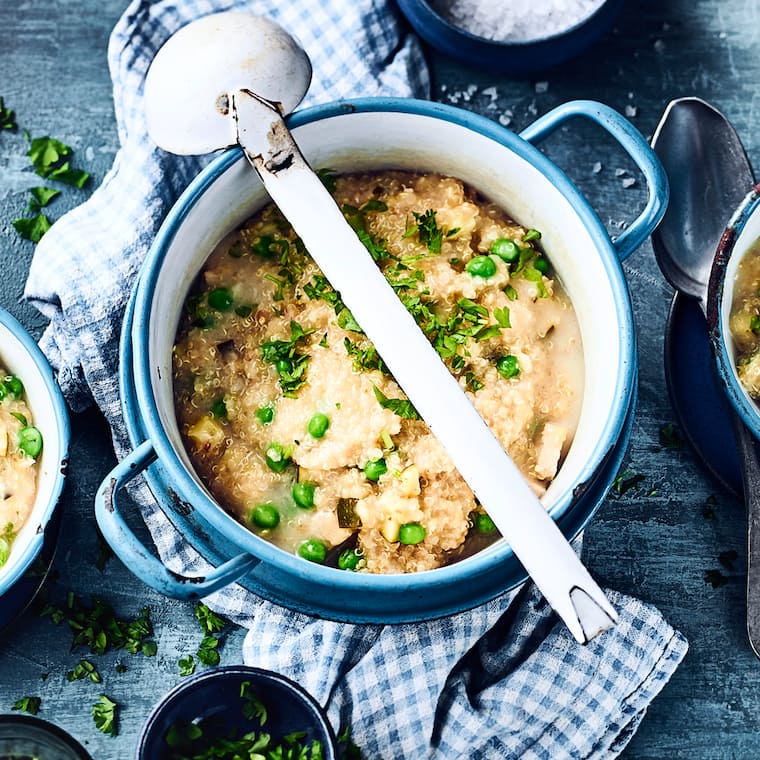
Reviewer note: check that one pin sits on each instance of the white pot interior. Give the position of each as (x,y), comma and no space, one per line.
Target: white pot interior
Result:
(379,140)
(15,358)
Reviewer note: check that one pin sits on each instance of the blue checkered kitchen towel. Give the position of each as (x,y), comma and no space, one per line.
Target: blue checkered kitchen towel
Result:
(505,680)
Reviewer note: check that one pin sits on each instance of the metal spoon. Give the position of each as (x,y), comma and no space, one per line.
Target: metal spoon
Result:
(709,175)
(230,95)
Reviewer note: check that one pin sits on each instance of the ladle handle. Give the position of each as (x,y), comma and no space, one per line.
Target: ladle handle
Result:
(131,551)
(634,144)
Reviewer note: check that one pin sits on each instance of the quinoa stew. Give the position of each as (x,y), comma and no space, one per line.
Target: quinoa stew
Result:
(294,423)
(20,446)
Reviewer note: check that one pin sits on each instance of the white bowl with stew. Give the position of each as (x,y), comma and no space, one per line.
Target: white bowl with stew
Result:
(21,358)
(368,135)
(733,305)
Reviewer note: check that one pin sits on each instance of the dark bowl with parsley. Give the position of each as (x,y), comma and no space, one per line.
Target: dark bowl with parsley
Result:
(237,709)
(39,440)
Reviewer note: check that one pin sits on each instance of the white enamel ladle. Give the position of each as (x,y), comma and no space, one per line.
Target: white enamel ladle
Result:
(229,79)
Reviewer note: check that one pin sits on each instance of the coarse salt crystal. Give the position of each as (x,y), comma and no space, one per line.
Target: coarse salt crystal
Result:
(518,20)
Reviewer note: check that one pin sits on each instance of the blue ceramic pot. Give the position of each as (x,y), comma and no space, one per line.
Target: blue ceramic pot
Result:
(373,134)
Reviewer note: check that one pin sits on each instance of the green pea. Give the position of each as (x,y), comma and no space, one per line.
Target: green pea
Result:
(541,264)
(506,249)
(265,516)
(265,414)
(349,559)
(30,441)
(276,458)
(219,409)
(313,550)
(754,324)
(374,469)
(283,366)
(220,299)
(508,366)
(481,266)
(14,385)
(303,494)
(411,533)
(318,425)
(483,523)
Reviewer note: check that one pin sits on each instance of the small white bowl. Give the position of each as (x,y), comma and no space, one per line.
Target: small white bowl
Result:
(21,356)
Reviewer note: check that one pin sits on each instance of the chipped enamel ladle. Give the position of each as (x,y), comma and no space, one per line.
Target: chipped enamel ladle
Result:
(229,79)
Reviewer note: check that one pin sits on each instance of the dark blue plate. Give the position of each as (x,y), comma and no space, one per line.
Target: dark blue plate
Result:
(700,405)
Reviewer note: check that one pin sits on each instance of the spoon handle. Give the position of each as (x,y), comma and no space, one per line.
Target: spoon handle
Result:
(751,481)
(478,455)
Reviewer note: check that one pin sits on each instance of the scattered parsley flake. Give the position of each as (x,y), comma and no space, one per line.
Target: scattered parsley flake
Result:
(104,713)
(32,228)
(41,196)
(84,669)
(670,437)
(7,117)
(715,578)
(186,665)
(29,705)
(210,622)
(402,407)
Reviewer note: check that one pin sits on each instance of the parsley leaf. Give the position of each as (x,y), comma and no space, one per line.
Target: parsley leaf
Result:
(29,705)
(32,228)
(41,196)
(670,437)
(253,707)
(289,362)
(7,117)
(104,713)
(208,654)
(50,160)
(428,231)
(401,407)
(84,669)
(210,622)
(186,665)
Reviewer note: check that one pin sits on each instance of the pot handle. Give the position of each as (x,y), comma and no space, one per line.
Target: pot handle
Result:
(634,144)
(132,552)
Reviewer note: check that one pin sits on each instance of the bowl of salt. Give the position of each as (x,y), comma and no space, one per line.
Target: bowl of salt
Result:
(511,36)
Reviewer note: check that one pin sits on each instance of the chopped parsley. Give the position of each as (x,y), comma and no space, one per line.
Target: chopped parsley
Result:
(402,407)
(428,232)
(29,705)
(715,578)
(209,621)
(98,627)
(357,218)
(51,160)
(186,665)
(289,361)
(104,713)
(670,437)
(7,117)
(84,669)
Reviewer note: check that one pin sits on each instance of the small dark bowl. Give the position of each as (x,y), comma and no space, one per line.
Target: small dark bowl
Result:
(213,697)
(24,736)
(518,57)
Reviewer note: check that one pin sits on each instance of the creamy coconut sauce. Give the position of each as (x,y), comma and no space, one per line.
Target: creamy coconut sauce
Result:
(294,423)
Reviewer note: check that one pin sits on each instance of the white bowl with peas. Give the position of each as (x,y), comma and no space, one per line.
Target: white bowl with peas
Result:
(34,440)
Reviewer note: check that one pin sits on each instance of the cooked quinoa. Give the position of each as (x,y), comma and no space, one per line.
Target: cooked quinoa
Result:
(293,421)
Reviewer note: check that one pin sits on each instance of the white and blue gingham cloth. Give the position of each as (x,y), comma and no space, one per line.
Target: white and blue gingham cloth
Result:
(504,680)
